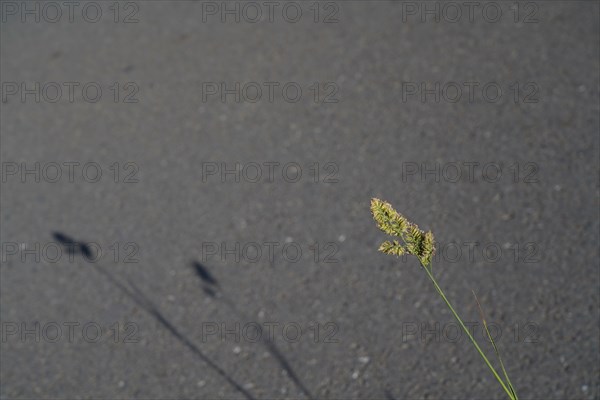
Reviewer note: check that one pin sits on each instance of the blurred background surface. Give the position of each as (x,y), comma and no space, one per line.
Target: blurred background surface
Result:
(214,161)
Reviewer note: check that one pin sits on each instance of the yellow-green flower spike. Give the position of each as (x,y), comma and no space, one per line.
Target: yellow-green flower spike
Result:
(428,248)
(393,248)
(388,219)
(416,242)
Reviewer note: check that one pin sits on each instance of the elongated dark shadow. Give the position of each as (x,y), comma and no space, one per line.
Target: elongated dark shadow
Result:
(142,301)
(212,289)
(151,308)
(204,274)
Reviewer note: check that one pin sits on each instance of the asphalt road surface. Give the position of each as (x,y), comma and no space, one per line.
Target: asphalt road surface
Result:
(186,185)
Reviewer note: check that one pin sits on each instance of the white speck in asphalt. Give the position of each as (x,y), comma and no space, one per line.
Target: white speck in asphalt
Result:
(201,383)
(364,359)
(289,239)
(355,375)
(584,388)
(171,298)
(341,238)
(121,384)
(237,350)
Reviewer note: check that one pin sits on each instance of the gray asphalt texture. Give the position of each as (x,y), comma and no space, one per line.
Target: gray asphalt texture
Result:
(542,297)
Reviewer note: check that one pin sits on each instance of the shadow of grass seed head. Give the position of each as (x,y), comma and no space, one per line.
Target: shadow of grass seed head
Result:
(414,240)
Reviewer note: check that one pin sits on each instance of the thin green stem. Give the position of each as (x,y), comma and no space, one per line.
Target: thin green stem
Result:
(437,287)
(508,382)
